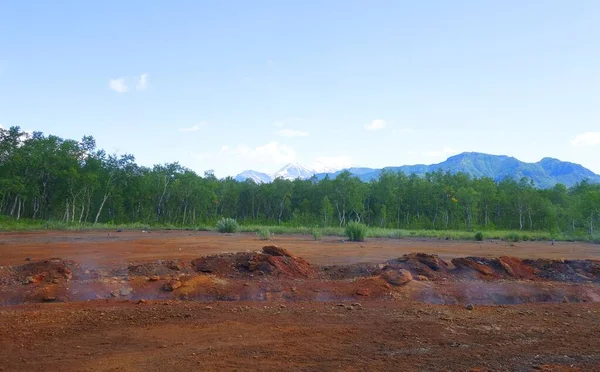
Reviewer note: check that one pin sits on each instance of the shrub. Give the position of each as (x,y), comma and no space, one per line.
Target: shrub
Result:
(356,231)
(264,234)
(227,225)
(479,236)
(317,234)
(513,237)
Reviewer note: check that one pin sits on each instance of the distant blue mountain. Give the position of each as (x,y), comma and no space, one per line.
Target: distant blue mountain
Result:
(544,174)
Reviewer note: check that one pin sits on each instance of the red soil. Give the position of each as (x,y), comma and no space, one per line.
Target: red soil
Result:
(345,306)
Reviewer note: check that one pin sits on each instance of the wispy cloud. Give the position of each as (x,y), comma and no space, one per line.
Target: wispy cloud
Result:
(292,133)
(118,85)
(587,139)
(142,83)
(376,124)
(194,128)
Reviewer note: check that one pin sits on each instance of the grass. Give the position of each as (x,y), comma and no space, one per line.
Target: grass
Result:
(317,234)
(264,234)
(227,225)
(479,236)
(356,231)
(11,224)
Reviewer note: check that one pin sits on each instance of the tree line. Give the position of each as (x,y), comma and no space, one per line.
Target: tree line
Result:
(51,178)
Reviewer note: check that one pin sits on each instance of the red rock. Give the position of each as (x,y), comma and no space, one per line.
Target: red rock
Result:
(172,285)
(470,264)
(398,277)
(274,250)
(363,292)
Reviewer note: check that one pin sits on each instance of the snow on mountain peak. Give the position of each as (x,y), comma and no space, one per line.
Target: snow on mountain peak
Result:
(292,171)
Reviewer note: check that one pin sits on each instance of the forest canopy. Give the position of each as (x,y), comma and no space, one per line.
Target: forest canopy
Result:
(51,178)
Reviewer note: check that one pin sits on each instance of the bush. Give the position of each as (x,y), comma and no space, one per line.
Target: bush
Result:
(227,225)
(264,234)
(513,237)
(356,231)
(317,234)
(479,236)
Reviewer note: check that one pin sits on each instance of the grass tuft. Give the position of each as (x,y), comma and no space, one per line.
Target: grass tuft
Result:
(227,225)
(356,231)
(264,234)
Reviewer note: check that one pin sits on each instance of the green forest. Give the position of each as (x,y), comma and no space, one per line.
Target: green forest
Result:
(48,178)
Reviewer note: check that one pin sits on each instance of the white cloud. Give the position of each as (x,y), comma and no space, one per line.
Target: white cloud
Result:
(291,133)
(194,128)
(118,85)
(331,163)
(376,124)
(142,83)
(272,152)
(446,151)
(586,139)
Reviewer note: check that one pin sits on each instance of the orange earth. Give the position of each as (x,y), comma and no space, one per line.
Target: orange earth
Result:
(138,301)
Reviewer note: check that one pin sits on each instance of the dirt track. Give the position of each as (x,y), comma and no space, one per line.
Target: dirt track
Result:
(337,319)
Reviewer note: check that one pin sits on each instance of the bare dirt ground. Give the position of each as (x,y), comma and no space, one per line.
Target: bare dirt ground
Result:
(178,300)
(112,247)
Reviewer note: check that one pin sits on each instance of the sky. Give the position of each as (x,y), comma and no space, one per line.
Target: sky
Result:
(234,85)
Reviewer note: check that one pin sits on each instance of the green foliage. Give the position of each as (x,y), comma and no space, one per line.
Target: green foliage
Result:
(317,234)
(227,225)
(264,234)
(479,236)
(47,182)
(513,237)
(356,231)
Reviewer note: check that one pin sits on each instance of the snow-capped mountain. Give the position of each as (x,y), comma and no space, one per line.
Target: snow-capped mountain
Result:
(257,177)
(291,171)
(320,168)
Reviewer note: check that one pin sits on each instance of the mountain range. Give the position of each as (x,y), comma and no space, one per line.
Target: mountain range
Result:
(544,174)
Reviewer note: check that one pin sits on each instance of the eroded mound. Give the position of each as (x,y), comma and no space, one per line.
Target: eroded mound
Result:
(427,265)
(158,268)
(274,274)
(480,268)
(52,270)
(273,260)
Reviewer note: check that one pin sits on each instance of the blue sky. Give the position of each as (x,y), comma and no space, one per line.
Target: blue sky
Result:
(232,85)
